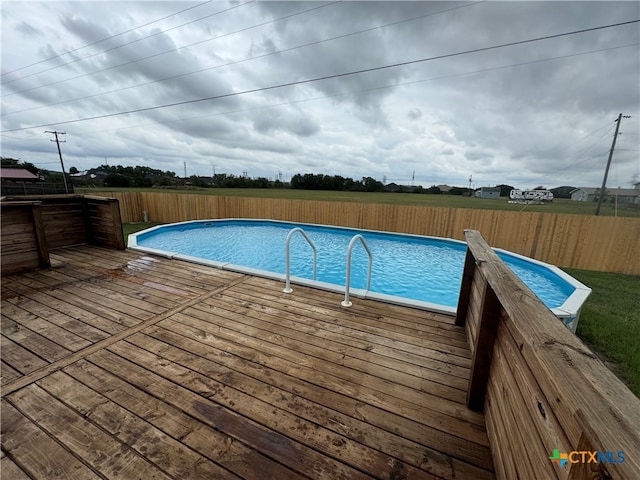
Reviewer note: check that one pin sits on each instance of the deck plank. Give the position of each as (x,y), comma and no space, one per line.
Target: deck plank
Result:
(192,400)
(47,349)
(203,439)
(321,326)
(79,311)
(381,392)
(125,365)
(342,414)
(61,319)
(164,451)
(8,373)
(101,451)
(8,469)
(19,358)
(25,319)
(320,320)
(36,452)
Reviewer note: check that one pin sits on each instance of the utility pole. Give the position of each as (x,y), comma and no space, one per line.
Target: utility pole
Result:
(57,140)
(606,170)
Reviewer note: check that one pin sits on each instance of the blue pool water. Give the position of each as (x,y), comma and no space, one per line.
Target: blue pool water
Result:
(417,268)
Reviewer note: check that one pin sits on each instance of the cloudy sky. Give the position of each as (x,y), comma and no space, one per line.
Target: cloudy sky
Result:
(203,83)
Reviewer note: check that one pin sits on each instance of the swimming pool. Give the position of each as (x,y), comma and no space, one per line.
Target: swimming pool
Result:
(418,271)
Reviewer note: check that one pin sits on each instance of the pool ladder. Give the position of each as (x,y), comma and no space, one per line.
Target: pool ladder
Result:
(345,302)
(287,288)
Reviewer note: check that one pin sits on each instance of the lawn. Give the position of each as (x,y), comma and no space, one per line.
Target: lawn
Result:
(449,201)
(609,322)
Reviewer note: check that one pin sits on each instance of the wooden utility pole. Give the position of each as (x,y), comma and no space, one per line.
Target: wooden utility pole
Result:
(606,170)
(57,140)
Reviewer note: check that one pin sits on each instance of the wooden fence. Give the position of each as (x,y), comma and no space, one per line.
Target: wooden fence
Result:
(30,228)
(543,392)
(34,188)
(578,241)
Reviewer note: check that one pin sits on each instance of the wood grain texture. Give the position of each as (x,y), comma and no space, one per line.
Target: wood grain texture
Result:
(175,370)
(546,389)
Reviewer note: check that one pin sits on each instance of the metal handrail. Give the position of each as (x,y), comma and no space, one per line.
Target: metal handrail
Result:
(287,288)
(346,302)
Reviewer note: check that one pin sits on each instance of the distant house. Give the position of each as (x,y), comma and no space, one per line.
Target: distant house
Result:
(488,192)
(444,188)
(19,181)
(621,195)
(391,187)
(13,175)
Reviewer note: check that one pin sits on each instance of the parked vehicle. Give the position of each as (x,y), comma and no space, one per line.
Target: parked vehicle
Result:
(531,195)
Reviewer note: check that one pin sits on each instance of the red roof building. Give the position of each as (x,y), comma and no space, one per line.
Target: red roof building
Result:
(17,175)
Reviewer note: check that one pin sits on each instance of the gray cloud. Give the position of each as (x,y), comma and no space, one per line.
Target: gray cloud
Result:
(543,122)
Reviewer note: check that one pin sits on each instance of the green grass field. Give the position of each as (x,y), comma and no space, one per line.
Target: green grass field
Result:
(450,201)
(609,322)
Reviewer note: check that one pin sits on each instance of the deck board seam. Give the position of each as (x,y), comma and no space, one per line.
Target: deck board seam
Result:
(74,357)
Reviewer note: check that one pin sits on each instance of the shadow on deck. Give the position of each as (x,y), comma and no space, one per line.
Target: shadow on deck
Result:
(119,365)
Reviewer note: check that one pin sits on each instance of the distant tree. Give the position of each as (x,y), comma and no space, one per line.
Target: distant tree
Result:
(163,181)
(433,190)
(51,177)
(372,185)
(197,181)
(73,170)
(540,187)
(261,182)
(459,190)
(117,180)
(8,162)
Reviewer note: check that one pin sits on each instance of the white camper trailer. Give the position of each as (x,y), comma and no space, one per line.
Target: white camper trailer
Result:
(530,196)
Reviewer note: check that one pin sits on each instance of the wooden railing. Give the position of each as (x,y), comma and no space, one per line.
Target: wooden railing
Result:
(30,228)
(542,390)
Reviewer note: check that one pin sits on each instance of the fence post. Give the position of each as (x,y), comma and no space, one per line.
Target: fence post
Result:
(114,206)
(465,288)
(483,352)
(41,239)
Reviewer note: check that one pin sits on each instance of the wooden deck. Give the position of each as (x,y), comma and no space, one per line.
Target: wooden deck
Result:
(119,365)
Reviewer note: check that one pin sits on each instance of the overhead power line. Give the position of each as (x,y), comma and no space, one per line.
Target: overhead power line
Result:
(326,77)
(236,62)
(173,49)
(365,90)
(128,43)
(105,39)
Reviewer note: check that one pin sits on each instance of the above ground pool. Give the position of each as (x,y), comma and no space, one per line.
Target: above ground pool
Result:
(412,270)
